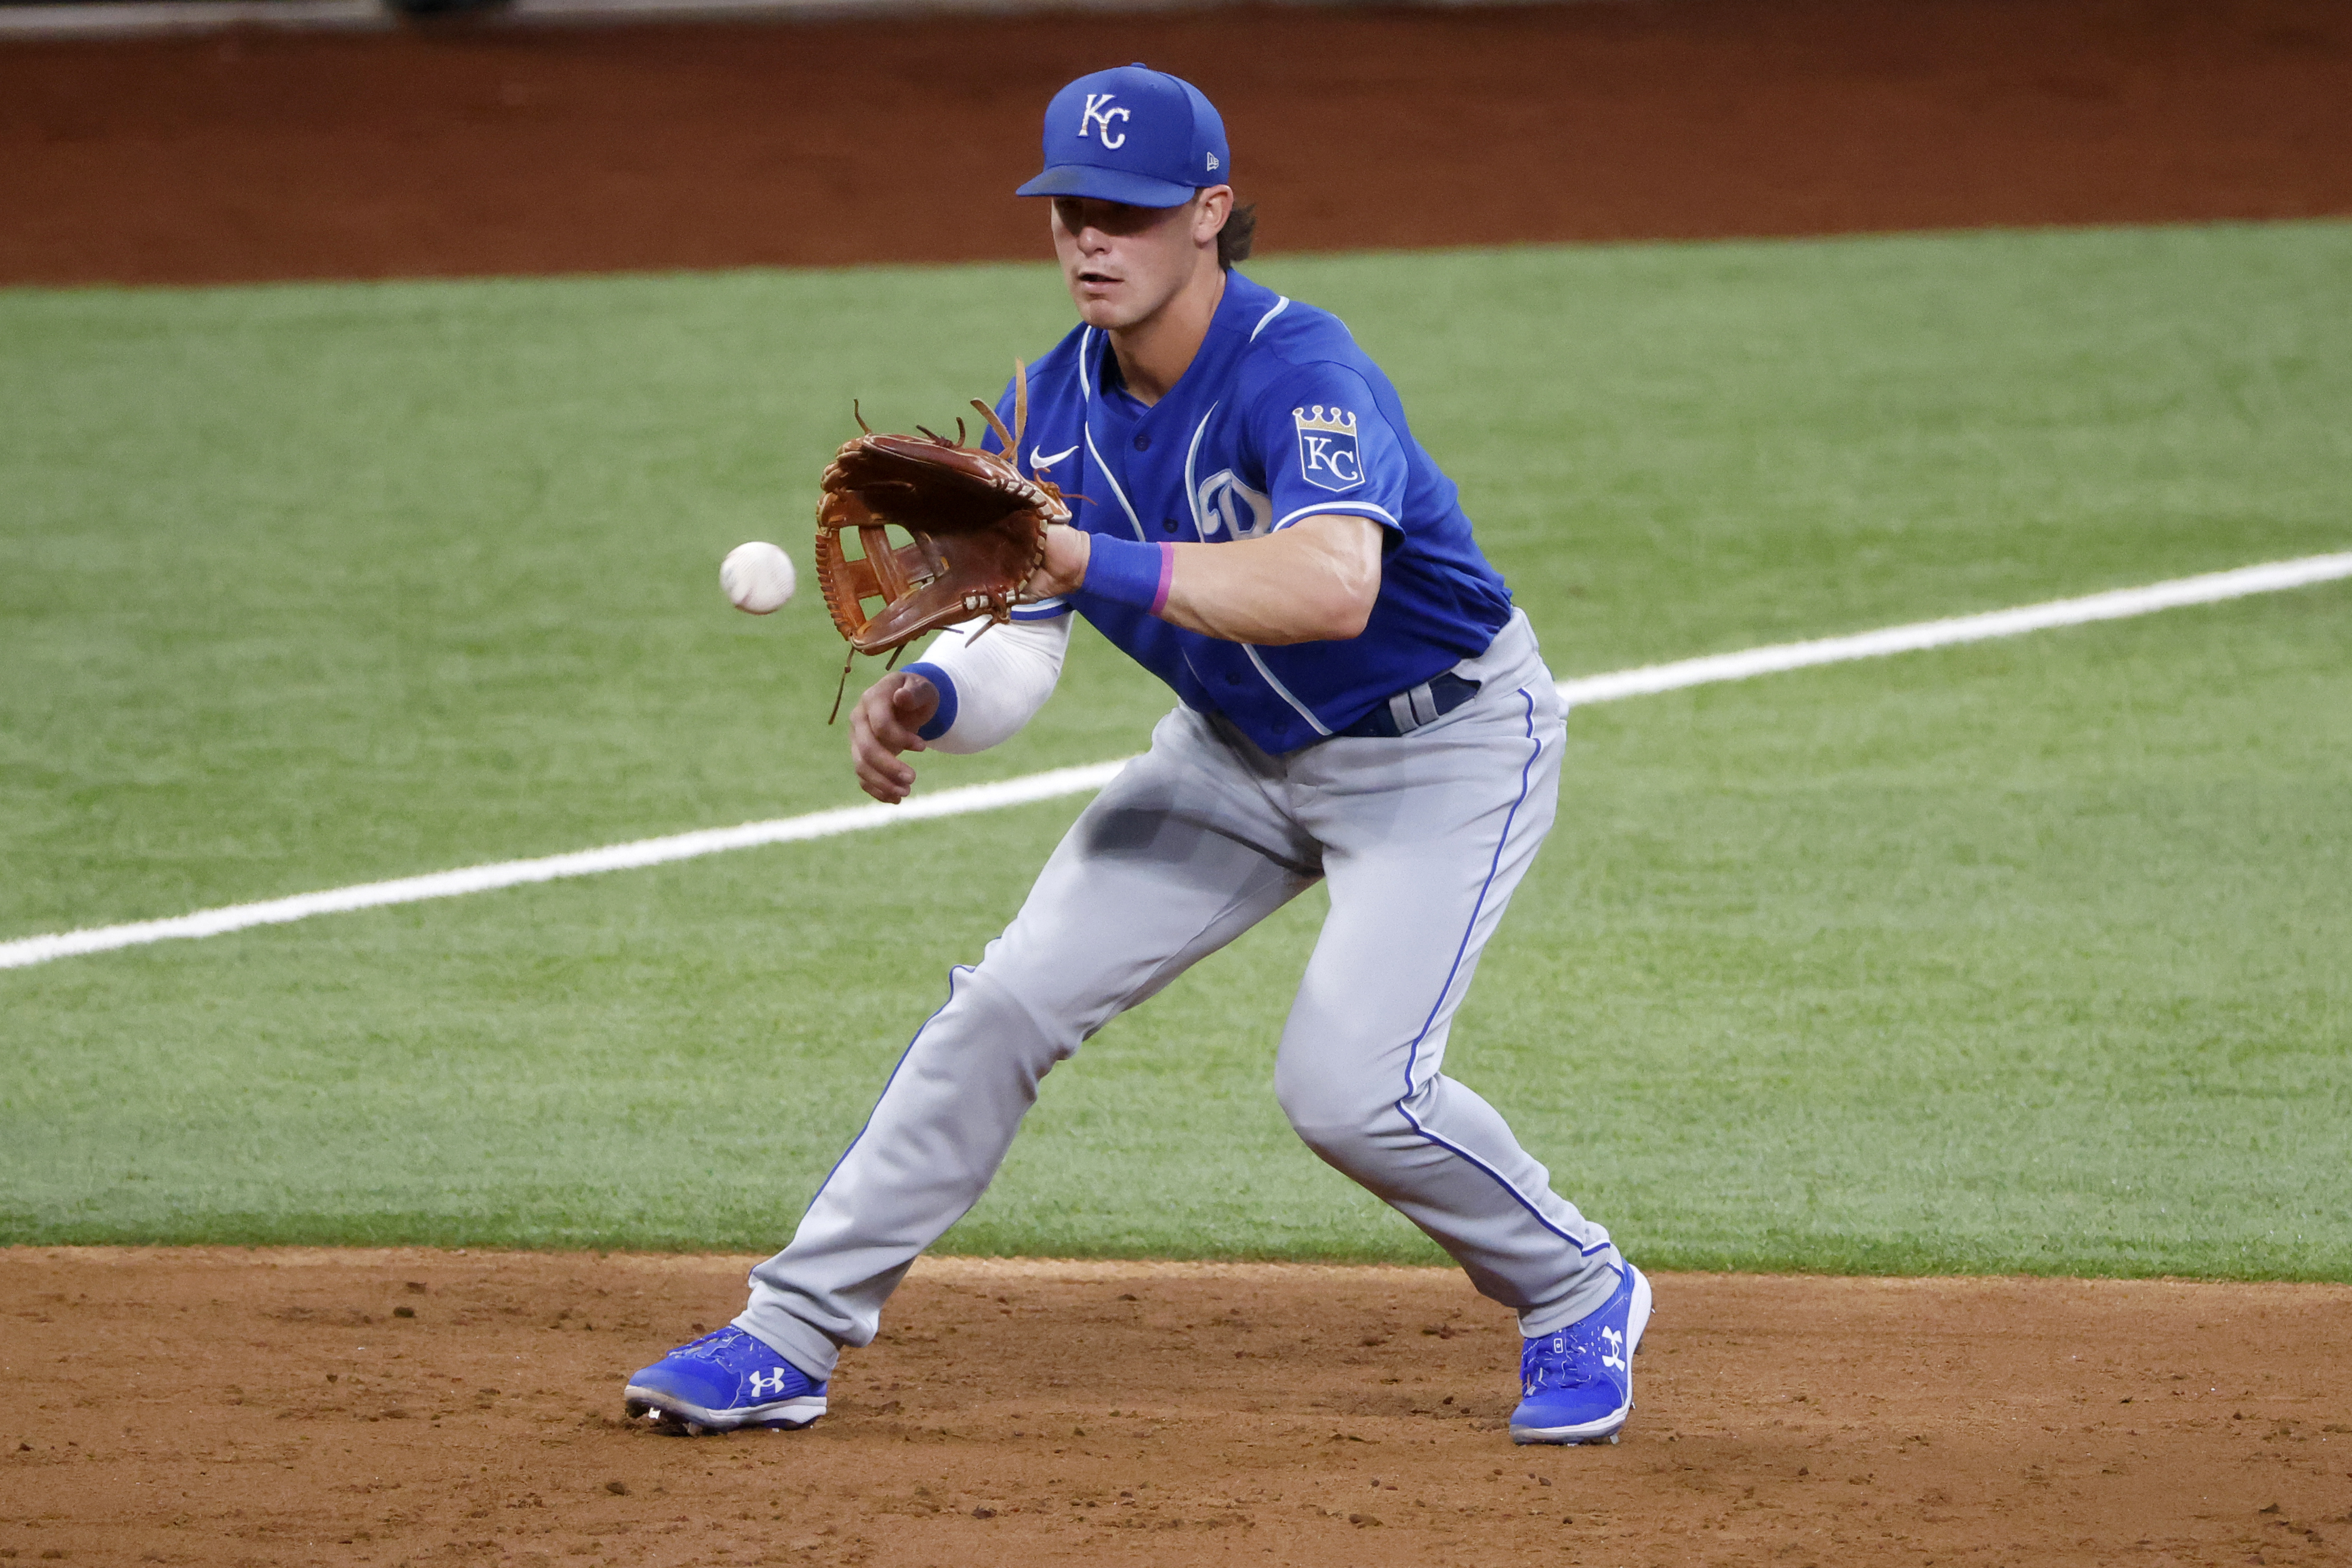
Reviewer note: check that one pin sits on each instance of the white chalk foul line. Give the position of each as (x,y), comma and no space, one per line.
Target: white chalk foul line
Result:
(2271,578)
(1020,791)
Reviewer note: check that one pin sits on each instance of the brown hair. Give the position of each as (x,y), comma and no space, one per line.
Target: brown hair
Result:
(1233,240)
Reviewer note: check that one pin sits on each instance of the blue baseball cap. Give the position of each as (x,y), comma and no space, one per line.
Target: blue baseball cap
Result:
(1131,135)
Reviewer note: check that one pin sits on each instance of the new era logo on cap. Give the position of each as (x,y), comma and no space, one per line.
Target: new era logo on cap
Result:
(1133,135)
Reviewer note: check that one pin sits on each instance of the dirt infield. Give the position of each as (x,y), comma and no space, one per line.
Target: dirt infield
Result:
(472,150)
(260,1407)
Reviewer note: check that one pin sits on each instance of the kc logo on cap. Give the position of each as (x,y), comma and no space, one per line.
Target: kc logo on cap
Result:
(1132,135)
(1098,111)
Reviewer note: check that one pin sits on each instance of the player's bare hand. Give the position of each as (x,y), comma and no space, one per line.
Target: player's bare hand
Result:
(883,724)
(1067,550)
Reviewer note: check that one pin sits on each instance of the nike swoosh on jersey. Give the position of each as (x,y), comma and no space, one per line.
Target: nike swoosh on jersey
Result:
(1039,460)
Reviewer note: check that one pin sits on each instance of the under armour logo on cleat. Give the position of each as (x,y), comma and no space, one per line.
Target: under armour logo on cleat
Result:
(770,1382)
(1616,1343)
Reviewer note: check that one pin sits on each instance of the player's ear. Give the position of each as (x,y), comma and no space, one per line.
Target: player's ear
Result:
(1211,206)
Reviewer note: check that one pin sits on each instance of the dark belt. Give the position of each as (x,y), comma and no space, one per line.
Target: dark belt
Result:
(1408,710)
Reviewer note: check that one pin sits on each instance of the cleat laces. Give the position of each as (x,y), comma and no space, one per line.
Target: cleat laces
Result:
(1558,1361)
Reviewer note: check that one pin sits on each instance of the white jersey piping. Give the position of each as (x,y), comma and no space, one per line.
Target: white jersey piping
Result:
(1133,521)
(1301,708)
(1191,494)
(1365,507)
(1087,425)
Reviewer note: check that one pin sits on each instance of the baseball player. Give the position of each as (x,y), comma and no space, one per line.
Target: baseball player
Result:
(1358,702)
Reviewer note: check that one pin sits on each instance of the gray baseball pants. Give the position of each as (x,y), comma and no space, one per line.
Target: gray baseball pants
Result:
(1422,837)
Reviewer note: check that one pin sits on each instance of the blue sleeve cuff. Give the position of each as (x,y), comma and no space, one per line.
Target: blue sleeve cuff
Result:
(942,721)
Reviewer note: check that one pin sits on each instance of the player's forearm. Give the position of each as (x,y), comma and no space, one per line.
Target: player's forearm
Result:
(1291,587)
(1315,581)
(990,680)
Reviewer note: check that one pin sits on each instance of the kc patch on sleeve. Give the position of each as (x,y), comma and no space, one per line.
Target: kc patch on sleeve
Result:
(1328,454)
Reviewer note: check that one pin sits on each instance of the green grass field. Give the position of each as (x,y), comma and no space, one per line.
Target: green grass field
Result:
(2025,955)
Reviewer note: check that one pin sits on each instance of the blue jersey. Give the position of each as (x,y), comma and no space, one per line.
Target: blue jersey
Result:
(1280,417)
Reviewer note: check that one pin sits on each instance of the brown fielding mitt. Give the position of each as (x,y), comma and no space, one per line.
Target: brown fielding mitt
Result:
(975,527)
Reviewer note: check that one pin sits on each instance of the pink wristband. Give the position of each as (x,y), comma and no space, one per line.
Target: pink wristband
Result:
(1167,577)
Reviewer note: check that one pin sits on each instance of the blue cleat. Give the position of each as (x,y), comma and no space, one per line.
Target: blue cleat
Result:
(1577,1384)
(723,1381)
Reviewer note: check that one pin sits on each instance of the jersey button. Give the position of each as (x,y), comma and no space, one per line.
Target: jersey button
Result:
(1232,680)
(1143,444)
(1167,524)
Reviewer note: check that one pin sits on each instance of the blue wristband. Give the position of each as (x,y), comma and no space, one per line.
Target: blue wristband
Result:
(1129,573)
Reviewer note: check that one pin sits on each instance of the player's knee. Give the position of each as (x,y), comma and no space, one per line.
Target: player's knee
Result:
(986,1018)
(1334,1119)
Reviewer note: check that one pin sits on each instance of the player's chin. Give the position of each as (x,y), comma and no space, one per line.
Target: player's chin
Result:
(1105,309)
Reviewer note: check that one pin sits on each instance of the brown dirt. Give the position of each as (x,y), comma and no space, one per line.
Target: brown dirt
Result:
(254,1407)
(502,149)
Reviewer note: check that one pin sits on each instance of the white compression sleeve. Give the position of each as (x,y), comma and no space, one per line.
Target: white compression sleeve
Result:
(991,685)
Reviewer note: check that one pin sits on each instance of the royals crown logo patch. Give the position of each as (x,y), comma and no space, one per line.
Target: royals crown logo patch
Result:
(1327,456)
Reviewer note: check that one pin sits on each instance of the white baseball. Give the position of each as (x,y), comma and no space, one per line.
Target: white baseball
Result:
(758,578)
